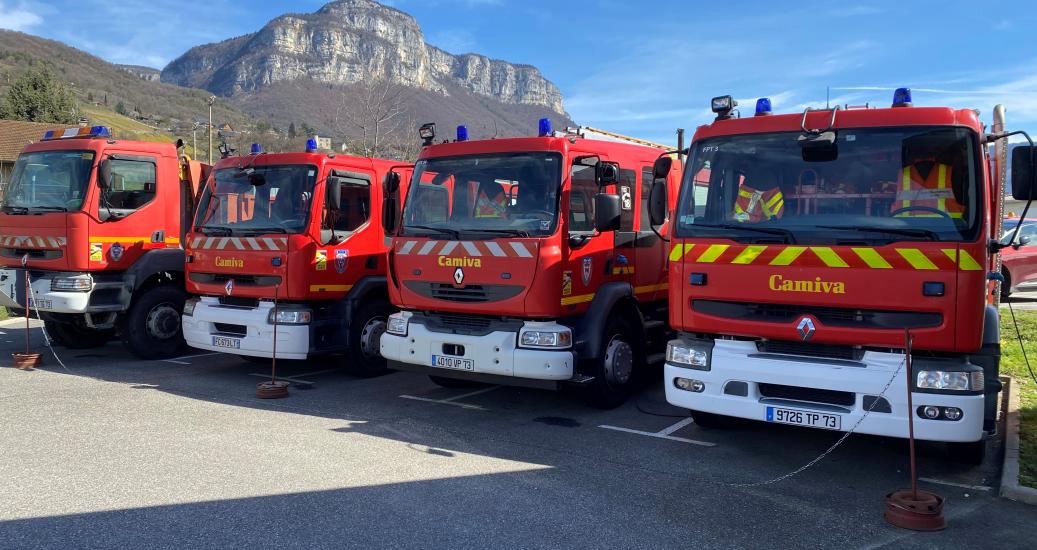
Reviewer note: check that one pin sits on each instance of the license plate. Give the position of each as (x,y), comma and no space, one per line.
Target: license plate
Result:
(224,342)
(445,362)
(804,418)
(42,304)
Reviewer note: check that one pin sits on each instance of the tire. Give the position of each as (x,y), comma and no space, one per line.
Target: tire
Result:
(365,357)
(1006,287)
(615,372)
(458,383)
(151,328)
(76,335)
(712,421)
(968,453)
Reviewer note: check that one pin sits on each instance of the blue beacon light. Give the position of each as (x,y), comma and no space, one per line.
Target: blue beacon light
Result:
(545,127)
(902,97)
(763,107)
(256,149)
(462,133)
(311,145)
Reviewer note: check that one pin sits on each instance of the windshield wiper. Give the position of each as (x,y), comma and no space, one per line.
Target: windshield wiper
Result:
(20,210)
(215,230)
(509,232)
(443,230)
(264,230)
(905,231)
(51,208)
(789,236)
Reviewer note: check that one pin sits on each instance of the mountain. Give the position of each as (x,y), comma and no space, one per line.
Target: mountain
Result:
(308,67)
(141,72)
(105,86)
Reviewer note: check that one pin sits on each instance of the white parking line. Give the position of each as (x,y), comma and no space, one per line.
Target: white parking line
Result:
(953,484)
(663,433)
(179,360)
(453,400)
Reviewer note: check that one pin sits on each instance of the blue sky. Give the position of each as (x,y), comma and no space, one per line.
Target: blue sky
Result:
(645,68)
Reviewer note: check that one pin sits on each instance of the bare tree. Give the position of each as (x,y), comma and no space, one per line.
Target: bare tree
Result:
(374,112)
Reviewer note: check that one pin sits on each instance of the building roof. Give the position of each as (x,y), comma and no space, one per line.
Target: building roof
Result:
(16,134)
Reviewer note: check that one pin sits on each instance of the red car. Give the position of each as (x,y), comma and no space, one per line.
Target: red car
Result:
(1019,265)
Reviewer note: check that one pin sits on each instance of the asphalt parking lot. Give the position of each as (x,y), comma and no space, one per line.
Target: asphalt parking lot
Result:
(1023,298)
(114,452)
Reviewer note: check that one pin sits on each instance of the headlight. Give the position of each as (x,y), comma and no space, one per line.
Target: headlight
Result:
(951,381)
(76,283)
(189,306)
(688,354)
(555,339)
(290,317)
(397,324)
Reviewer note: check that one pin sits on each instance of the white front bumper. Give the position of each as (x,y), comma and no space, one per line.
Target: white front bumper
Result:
(12,283)
(495,353)
(731,361)
(293,341)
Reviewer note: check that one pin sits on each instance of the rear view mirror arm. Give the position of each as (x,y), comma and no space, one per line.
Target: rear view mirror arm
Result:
(1033,175)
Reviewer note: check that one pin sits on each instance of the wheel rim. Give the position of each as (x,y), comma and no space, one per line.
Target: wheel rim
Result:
(163,321)
(619,361)
(371,336)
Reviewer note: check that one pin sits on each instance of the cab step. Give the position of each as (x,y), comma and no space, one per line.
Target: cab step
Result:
(656,358)
(580,379)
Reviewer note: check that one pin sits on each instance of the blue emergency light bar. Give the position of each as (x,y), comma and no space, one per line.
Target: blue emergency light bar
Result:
(256,149)
(84,132)
(763,107)
(311,145)
(902,97)
(462,133)
(545,127)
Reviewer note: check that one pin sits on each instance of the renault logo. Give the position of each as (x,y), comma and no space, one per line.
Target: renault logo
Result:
(229,288)
(459,276)
(805,328)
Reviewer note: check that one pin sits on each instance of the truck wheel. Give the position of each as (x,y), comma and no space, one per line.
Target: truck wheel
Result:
(968,453)
(151,328)
(614,373)
(365,357)
(444,382)
(712,421)
(1006,287)
(76,336)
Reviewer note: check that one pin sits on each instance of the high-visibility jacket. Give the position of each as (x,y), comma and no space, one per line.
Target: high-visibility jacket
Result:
(932,191)
(486,207)
(753,205)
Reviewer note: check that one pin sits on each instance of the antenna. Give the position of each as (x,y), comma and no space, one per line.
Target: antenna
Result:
(494,129)
(828,97)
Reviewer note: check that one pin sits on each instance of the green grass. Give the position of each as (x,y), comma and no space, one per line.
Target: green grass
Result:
(1012,364)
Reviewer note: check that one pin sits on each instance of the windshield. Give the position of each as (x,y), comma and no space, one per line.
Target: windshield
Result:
(263,199)
(49,180)
(513,193)
(874,185)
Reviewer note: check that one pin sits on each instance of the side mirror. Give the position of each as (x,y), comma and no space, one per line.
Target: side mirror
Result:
(606,212)
(392,183)
(661,168)
(333,194)
(104,174)
(657,201)
(1023,173)
(1025,241)
(390,213)
(606,173)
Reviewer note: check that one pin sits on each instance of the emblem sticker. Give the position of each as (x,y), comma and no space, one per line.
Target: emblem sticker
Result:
(116,252)
(459,276)
(626,197)
(321,260)
(567,283)
(96,252)
(229,287)
(588,268)
(341,260)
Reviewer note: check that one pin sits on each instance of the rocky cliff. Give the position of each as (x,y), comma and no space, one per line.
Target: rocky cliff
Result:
(345,42)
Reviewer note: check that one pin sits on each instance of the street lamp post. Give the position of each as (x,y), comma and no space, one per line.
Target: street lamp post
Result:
(212,99)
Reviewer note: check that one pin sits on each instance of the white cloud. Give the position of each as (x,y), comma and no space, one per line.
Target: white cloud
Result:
(18,17)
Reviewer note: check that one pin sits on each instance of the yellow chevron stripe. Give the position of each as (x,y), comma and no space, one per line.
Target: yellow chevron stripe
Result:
(965,260)
(651,288)
(330,288)
(830,257)
(573,300)
(749,255)
(712,253)
(789,255)
(917,259)
(872,258)
(679,251)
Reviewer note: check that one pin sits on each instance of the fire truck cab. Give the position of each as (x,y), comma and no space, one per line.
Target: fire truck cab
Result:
(97,222)
(807,248)
(299,232)
(528,261)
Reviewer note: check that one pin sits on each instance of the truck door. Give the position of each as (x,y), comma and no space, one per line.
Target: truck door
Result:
(649,250)
(347,238)
(130,211)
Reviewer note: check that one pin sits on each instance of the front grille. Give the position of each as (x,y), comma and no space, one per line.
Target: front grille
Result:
(807,349)
(811,395)
(473,325)
(462,322)
(227,328)
(829,316)
(465,294)
(235,301)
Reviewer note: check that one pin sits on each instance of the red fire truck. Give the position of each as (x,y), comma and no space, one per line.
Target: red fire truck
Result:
(98,221)
(302,229)
(812,244)
(528,261)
